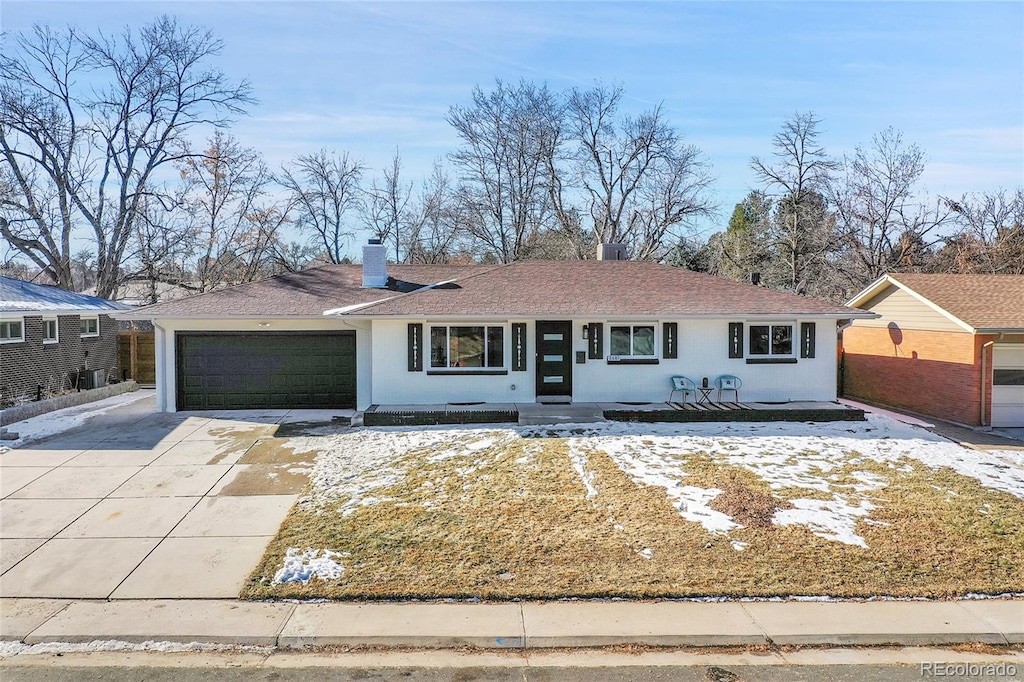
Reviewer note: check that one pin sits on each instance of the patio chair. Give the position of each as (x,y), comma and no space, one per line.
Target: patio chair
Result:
(681,384)
(728,382)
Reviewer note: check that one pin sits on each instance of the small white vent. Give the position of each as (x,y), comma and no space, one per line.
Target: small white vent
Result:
(375,265)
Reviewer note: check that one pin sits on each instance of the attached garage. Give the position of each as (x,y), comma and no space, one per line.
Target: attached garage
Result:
(234,371)
(1008,385)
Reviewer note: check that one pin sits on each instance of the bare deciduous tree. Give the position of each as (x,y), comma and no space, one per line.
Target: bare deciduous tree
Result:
(232,223)
(387,210)
(325,190)
(885,225)
(508,136)
(991,235)
(435,222)
(86,122)
(641,181)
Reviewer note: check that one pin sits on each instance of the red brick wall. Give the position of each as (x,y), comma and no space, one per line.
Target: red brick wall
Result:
(928,372)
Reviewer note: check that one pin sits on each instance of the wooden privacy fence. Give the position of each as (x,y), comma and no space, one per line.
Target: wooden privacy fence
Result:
(136,356)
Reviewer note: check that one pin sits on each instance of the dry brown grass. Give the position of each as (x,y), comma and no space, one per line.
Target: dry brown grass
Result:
(520,525)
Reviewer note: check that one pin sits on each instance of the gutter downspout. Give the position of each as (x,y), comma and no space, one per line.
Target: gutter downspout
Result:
(984,377)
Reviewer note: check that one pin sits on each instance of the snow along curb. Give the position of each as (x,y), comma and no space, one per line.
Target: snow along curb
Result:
(18,413)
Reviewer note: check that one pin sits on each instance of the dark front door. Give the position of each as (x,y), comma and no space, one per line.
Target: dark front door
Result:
(554,359)
(266,369)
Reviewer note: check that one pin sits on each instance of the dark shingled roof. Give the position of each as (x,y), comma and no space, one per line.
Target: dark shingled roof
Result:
(599,288)
(522,289)
(310,292)
(982,301)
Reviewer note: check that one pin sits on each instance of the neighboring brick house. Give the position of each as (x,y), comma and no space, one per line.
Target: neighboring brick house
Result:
(48,335)
(946,346)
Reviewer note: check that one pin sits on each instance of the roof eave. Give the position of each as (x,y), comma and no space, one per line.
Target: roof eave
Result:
(136,315)
(53,312)
(999,330)
(862,315)
(887,280)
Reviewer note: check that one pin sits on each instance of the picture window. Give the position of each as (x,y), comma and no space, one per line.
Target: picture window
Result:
(635,340)
(476,346)
(775,339)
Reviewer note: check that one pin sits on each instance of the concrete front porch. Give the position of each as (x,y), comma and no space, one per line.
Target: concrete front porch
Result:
(572,413)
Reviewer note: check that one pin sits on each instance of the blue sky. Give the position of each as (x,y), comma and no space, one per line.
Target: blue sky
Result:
(367,77)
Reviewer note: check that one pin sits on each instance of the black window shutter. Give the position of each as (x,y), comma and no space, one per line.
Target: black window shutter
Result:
(518,347)
(735,339)
(669,340)
(807,330)
(595,340)
(415,347)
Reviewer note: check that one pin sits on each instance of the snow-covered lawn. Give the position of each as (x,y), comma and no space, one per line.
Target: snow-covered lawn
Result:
(852,508)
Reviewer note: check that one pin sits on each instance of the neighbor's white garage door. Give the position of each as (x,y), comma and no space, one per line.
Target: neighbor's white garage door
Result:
(1008,385)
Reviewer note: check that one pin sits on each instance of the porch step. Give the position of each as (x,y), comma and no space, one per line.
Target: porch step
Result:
(576,413)
(554,399)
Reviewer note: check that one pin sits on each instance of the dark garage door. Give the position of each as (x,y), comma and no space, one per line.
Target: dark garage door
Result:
(258,370)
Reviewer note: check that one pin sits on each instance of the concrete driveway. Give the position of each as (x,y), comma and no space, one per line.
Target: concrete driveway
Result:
(135,504)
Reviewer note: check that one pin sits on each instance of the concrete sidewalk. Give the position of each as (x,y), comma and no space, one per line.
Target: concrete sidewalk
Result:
(525,625)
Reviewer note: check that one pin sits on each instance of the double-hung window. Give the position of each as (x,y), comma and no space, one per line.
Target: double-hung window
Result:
(90,326)
(771,340)
(632,340)
(12,331)
(50,334)
(470,346)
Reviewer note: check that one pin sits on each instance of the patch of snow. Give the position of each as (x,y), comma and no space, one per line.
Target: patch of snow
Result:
(302,566)
(579,461)
(647,553)
(58,421)
(349,467)
(693,504)
(739,546)
(831,519)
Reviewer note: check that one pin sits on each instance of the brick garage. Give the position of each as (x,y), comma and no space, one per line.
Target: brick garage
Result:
(931,351)
(933,373)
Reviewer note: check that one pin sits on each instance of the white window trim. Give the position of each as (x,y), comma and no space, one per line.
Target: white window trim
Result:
(505,346)
(20,339)
(794,340)
(56,331)
(86,335)
(656,351)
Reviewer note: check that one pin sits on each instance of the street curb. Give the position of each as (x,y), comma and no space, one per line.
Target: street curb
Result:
(517,626)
